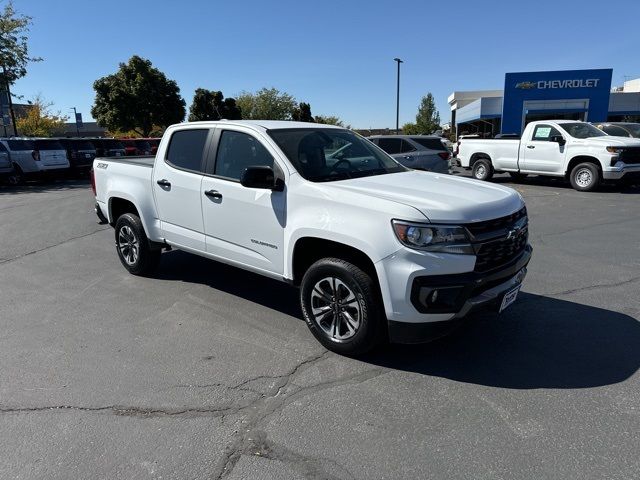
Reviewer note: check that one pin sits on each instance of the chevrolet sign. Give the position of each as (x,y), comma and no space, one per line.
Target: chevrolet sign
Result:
(543,84)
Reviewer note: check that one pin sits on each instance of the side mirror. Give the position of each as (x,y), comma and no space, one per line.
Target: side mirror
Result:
(261,177)
(559,139)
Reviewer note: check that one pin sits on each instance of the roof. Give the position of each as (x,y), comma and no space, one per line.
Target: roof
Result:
(406,136)
(266,124)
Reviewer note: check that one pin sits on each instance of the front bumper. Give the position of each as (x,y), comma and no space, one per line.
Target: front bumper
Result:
(622,171)
(460,294)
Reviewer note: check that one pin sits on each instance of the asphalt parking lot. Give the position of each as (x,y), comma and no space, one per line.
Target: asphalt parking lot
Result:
(205,371)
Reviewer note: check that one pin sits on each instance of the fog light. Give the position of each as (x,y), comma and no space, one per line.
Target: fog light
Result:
(434,297)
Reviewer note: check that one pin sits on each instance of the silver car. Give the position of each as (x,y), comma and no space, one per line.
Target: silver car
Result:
(33,156)
(420,152)
(6,169)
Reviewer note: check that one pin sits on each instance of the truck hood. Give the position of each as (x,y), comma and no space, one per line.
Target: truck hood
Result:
(439,197)
(609,141)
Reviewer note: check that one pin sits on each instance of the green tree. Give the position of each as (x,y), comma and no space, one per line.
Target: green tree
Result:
(427,118)
(14,50)
(302,113)
(329,120)
(137,97)
(266,104)
(39,121)
(411,129)
(211,105)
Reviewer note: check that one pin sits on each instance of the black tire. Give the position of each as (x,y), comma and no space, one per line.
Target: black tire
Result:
(133,246)
(517,176)
(482,169)
(585,177)
(333,274)
(17,177)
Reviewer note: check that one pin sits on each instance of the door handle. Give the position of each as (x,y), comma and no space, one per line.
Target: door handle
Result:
(531,146)
(213,194)
(164,183)
(407,157)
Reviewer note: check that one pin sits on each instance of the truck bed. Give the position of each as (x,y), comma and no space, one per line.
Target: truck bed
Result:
(143,161)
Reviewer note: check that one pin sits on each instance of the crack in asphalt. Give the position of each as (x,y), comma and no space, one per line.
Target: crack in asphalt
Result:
(129,411)
(4,261)
(252,440)
(595,287)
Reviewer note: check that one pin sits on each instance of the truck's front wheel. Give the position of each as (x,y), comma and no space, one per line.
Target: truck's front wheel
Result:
(585,177)
(133,247)
(482,169)
(341,305)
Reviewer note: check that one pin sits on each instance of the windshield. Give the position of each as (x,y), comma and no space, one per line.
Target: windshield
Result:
(113,144)
(582,130)
(329,154)
(632,128)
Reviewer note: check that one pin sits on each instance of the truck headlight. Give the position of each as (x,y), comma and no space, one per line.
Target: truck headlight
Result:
(433,238)
(615,149)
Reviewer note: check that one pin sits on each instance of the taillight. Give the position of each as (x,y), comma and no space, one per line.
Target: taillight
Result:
(36,155)
(92,177)
(444,155)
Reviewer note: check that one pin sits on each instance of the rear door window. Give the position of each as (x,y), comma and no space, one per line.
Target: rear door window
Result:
(431,143)
(390,145)
(406,147)
(186,149)
(236,152)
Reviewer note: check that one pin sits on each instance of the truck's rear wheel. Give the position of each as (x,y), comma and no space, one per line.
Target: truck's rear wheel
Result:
(585,177)
(133,247)
(341,305)
(482,169)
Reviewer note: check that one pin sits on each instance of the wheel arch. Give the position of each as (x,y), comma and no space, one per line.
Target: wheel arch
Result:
(582,159)
(478,156)
(118,206)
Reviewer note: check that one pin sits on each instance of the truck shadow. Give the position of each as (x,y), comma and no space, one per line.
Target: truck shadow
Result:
(539,342)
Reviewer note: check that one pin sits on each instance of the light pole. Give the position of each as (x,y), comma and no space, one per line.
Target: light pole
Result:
(75,117)
(398,61)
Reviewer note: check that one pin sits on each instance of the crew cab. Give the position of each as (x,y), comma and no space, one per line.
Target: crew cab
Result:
(577,151)
(378,251)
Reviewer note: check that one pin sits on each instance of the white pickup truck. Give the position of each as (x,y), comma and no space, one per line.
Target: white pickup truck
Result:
(574,150)
(379,251)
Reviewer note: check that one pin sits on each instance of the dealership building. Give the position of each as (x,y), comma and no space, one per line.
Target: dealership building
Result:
(569,94)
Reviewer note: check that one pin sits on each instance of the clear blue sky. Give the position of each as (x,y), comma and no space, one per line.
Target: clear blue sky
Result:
(336,55)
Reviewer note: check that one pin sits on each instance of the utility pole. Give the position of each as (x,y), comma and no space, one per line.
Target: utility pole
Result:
(398,61)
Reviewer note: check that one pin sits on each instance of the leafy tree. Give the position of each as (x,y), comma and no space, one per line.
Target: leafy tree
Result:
(329,120)
(211,105)
(14,51)
(428,118)
(39,121)
(266,104)
(302,113)
(411,129)
(137,97)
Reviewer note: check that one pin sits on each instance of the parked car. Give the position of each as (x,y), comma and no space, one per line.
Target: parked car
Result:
(620,129)
(136,146)
(7,171)
(34,156)
(420,152)
(378,250)
(80,153)
(154,142)
(108,147)
(568,149)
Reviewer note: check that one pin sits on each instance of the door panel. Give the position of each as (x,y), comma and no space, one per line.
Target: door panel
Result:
(245,225)
(177,181)
(541,155)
